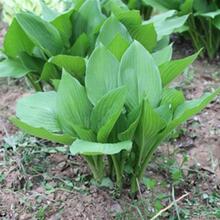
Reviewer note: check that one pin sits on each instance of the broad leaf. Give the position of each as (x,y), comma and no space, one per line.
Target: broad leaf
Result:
(39,111)
(64,25)
(173,97)
(110,28)
(41,33)
(118,46)
(92,148)
(87,20)
(12,68)
(101,73)
(80,47)
(145,34)
(163,55)
(73,107)
(140,74)
(170,70)
(132,123)
(42,133)
(49,72)
(190,108)
(150,124)
(16,41)
(106,112)
(72,64)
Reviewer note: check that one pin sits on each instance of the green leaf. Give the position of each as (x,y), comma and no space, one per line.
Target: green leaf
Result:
(170,70)
(72,64)
(81,46)
(132,123)
(42,133)
(169,26)
(216,22)
(212,14)
(39,111)
(92,148)
(145,34)
(34,64)
(73,107)
(12,68)
(64,25)
(16,41)
(190,108)
(186,7)
(41,33)
(162,5)
(110,28)
(173,97)
(106,112)
(140,74)
(149,126)
(163,55)
(118,46)
(101,73)
(49,72)
(88,19)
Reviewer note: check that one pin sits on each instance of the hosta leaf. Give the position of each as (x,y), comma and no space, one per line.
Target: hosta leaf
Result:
(190,108)
(92,148)
(186,7)
(88,18)
(132,123)
(173,97)
(145,34)
(110,28)
(163,55)
(64,25)
(72,64)
(42,133)
(73,107)
(81,46)
(216,22)
(12,68)
(16,41)
(161,17)
(114,6)
(129,17)
(168,26)
(140,74)
(39,111)
(162,5)
(102,73)
(106,112)
(212,14)
(41,33)
(49,72)
(170,70)
(118,46)
(150,124)
(165,111)
(34,64)
(46,12)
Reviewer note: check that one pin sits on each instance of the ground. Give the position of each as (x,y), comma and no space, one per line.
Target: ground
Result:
(35,184)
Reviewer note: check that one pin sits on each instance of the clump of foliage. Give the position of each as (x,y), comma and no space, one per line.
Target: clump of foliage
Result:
(203,24)
(11,7)
(39,47)
(122,110)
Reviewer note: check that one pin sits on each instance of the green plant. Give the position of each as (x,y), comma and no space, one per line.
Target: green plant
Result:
(122,110)
(11,7)
(39,47)
(203,24)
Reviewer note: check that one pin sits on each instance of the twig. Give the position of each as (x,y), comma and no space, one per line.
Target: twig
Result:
(169,206)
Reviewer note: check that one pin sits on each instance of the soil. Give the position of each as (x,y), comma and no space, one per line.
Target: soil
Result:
(49,193)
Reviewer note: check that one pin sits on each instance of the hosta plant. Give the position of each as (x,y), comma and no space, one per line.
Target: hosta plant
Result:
(11,7)
(38,47)
(119,115)
(203,24)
